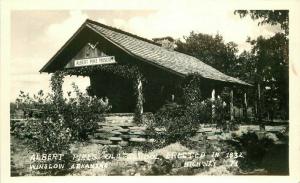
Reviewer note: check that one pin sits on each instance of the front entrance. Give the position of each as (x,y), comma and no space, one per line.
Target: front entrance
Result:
(119,91)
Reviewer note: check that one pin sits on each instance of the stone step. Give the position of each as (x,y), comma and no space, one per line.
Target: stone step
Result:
(137,133)
(124,131)
(118,129)
(117,114)
(246,128)
(123,143)
(115,139)
(103,135)
(126,125)
(276,128)
(137,139)
(119,118)
(111,128)
(130,136)
(137,128)
(116,133)
(103,142)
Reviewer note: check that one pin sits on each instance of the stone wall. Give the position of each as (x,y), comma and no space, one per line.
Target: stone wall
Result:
(120,129)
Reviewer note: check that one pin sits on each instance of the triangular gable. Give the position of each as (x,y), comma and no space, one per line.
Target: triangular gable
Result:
(90,55)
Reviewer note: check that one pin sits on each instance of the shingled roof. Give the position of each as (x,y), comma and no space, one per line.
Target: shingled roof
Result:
(147,50)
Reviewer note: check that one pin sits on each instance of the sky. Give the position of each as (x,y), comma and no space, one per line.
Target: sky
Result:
(36,35)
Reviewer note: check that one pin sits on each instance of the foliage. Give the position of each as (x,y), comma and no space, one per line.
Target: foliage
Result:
(171,117)
(272,17)
(64,119)
(266,65)
(182,121)
(79,114)
(161,166)
(191,89)
(124,71)
(210,49)
(272,72)
(255,150)
(82,113)
(49,134)
(200,108)
(195,106)
(56,83)
(38,101)
(220,115)
(46,136)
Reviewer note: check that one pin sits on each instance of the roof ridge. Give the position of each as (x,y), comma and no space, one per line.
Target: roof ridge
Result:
(141,38)
(122,31)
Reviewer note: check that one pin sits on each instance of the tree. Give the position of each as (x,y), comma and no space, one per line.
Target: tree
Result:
(271,63)
(245,67)
(210,49)
(265,66)
(269,60)
(272,17)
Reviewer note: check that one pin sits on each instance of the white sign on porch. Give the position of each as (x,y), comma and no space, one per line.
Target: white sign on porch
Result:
(94,61)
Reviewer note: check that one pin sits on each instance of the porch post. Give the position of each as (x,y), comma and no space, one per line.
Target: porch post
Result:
(213,98)
(245,106)
(139,104)
(259,104)
(259,109)
(231,105)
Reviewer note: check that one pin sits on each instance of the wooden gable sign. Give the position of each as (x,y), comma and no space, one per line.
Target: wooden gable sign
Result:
(90,55)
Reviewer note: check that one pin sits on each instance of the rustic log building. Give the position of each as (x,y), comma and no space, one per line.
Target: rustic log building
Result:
(98,45)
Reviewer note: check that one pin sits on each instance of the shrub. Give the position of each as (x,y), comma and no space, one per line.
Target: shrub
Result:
(62,120)
(49,134)
(161,166)
(78,114)
(255,149)
(179,122)
(82,113)
(191,90)
(171,118)
(182,121)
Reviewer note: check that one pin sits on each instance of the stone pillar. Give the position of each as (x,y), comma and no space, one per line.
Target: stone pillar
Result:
(231,105)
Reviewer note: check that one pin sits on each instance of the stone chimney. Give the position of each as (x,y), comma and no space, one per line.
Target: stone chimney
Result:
(166,42)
